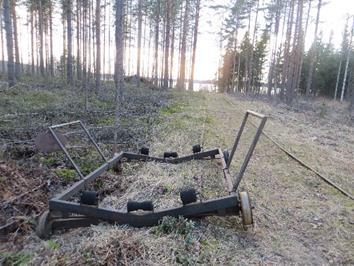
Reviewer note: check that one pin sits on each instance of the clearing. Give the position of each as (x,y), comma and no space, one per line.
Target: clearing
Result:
(298,218)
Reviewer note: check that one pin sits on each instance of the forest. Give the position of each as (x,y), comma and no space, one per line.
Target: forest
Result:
(165,132)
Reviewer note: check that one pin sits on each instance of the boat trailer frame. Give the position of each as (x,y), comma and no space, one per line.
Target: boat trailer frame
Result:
(64,214)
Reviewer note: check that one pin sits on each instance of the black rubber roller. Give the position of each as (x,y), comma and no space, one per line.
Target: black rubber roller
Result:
(188,196)
(196,148)
(89,198)
(143,205)
(226,156)
(144,151)
(172,154)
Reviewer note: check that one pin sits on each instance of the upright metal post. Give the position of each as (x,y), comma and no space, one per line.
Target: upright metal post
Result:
(249,153)
(239,134)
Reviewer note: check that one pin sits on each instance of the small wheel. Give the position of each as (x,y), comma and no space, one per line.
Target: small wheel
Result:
(226,156)
(188,196)
(44,225)
(246,209)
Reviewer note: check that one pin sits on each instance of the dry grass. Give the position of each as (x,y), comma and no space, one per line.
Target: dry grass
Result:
(299,219)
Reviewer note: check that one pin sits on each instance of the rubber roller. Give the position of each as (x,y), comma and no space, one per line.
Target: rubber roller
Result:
(196,148)
(226,156)
(188,196)
(143,205)
(172,154)
(144,151)
(89,198)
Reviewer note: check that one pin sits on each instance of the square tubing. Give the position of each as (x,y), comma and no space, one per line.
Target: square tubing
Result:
(93,141)
(237,140)
(249,153)
(77,169)
(198,209)
(89,178)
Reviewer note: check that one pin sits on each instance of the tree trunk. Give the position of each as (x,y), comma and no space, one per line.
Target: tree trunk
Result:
(9,44)
(195,40)
(78,28)
(69,44)
(40,28)
(347,62)
(156,55)
(274,50)
(17,52)
(167,41)
(172,51)
(140,26)
(287,54)
(313,58)
(51,38)
(2,44)
(182,67)
(250,79)
(303,44)
(119,71)
(98,46)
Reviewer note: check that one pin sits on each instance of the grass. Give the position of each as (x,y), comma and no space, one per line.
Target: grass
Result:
(298,218)
(21,258)
(67,175)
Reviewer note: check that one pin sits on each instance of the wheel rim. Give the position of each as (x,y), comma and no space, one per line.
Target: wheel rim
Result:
(44,226)
(246,210)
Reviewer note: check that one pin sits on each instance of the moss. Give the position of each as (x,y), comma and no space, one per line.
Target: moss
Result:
(66,174)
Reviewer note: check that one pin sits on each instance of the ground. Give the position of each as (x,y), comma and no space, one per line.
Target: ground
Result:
(299,219)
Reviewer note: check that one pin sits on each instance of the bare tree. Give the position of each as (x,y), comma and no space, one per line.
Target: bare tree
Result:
(98,45)
(140,24)
(167,42)
(69,44)
(347,62)
(182,66)
(195,40)
(119,60)
(313,55)
(9,43)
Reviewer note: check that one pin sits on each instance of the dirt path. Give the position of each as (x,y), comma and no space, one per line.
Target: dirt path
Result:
(299,219)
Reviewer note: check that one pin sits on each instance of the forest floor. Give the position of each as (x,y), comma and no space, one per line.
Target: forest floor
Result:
(298,218)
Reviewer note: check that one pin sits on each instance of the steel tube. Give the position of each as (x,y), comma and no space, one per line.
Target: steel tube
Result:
(249,153)
(77,169)
(213,206)
(237,140)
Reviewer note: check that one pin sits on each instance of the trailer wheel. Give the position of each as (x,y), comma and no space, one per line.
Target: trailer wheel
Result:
(246,210)
(226,155)
(44,225)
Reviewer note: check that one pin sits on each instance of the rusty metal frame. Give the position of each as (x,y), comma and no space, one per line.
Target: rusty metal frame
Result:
(77,215)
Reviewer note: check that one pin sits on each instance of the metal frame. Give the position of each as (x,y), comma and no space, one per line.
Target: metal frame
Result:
(66,214)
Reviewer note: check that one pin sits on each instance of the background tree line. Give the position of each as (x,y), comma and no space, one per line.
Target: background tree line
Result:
(157,41)
(264,51)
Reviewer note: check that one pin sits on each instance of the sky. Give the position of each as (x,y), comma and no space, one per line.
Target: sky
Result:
(333,16)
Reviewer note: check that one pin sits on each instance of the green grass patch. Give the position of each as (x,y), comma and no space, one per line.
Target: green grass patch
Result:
(66,174)
(180,226)
(172,109)
(16,258)
(53,245)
